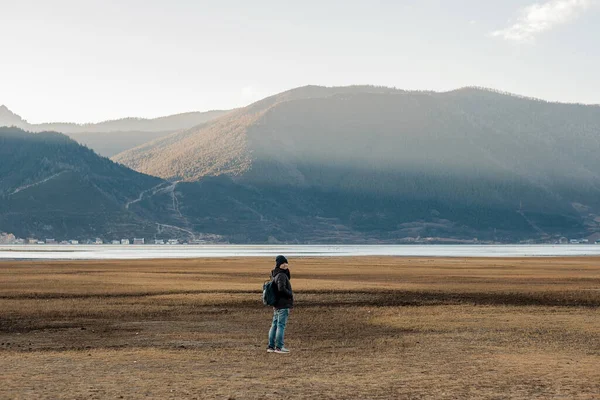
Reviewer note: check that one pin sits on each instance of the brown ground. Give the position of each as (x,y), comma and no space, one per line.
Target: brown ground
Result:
(363,328)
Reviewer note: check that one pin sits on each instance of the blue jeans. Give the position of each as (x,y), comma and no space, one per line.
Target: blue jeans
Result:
(280,317)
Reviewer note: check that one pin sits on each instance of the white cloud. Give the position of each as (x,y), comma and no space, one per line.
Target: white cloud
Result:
(541,17)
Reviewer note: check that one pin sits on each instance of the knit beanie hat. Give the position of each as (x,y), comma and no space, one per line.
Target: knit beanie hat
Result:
(280,260)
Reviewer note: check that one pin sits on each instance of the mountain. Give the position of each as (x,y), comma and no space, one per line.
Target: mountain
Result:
(383,163)
(224,145)
(111,137)
(325,165)
(50,186)
(468,128)
(8,118)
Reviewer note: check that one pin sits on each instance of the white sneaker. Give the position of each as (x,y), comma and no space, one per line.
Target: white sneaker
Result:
(270,350)
(282,350)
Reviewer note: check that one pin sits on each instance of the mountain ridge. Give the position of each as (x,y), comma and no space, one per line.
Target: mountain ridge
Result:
(96,126)
(373,165)
(113,136)
(501,154)
(241,118)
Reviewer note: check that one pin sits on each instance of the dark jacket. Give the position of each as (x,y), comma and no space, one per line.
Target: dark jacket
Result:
(283,288)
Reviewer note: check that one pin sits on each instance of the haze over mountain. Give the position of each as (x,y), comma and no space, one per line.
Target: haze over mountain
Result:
(8,118)
(486,158)
(350,165)
(111,137)
(471,129)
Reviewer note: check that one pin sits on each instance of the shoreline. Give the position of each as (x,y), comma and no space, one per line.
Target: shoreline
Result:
(150,252)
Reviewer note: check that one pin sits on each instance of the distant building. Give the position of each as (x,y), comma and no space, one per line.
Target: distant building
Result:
(7,238)
(40,242)
(197,241)
(50,241)
(32,241)
(138,240)
(584,241)
(74,241)
(124,241)
(159,241)
(173,241)
(98,241)
(115,242)
(20,241)
(64,242)
(574,241)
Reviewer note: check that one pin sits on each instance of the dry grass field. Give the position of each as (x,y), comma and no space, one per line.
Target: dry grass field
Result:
(363,328)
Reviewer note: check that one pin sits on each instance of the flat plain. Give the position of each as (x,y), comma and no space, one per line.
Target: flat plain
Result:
(365,328)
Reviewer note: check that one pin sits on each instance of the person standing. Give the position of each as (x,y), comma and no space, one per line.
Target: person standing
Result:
(283,303)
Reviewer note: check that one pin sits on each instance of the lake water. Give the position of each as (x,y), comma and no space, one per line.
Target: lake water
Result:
(116,252)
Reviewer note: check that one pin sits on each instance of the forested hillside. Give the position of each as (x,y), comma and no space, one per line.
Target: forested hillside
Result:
(472,161)
(343,165)
(50,186)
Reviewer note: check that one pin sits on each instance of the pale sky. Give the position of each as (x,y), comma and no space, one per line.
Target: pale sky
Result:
(93,60)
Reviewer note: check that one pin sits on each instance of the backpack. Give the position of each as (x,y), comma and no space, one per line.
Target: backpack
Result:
(269,296)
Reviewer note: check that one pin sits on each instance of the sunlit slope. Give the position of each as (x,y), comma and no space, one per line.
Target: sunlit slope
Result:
(462,161)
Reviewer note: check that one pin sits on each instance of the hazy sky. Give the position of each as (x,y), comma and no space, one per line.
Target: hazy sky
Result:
(92,60)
